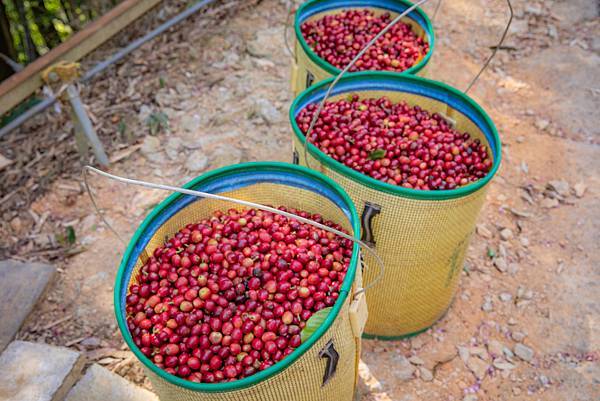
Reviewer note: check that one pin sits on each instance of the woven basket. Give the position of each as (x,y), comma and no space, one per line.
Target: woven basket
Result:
(311,372)
(308,68)
(422,236)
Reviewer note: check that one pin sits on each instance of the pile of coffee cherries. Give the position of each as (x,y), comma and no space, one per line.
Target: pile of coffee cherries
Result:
(229,296)
(338,38)
(396,143)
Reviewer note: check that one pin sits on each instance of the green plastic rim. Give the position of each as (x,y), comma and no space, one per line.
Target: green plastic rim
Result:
(298,352)
(388,79)
(330,69)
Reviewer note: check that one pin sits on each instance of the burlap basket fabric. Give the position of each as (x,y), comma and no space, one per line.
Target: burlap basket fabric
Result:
(324,367)
(422,236)
(308,68)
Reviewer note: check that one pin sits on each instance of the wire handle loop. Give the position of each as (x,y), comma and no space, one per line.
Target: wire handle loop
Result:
(286,29)
(228,199)
(345,70)
(495,50)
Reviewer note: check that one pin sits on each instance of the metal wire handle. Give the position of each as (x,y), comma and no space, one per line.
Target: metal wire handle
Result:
(286,29)
(350,64)
(495,50)
(372,41)
(228,199)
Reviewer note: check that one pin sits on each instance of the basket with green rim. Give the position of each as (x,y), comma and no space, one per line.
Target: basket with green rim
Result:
(308,68)
(421,235)
(325,366)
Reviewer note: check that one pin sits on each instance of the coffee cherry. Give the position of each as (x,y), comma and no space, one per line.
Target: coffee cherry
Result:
(395,143)
(227,296)
(338,39)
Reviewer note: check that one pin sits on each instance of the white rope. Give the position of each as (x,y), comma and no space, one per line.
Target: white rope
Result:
(227,199)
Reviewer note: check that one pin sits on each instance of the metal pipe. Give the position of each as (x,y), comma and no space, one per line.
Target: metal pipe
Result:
(101,66)
(86,124)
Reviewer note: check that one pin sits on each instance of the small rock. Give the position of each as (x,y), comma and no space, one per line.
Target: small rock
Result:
(495,348)
(520,139)
(417,342)
(150,145)
(524,167)
(560,187)
(463,353)
(91,342)
(144,113)
(196,161)
(470,397)
(100,384)
(516,391)
(523,352)
(500,264)
(426,374)
(518,336)
(544,381)
(478,367)
(224,155)
(415,360)
(506,234)
(579,189)
(37,372)
(512,321)
(404,370)
(541,124)
(172,148)
(524,241)
(191,123)
(483,231)
(549,203)
(488,305)
(502,364)
(267,111)
(505,297)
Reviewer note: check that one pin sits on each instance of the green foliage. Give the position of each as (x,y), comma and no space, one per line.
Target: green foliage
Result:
(157,121)
(44,24)
(377,154)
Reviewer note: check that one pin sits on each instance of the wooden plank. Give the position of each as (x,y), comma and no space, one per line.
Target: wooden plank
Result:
(19,86)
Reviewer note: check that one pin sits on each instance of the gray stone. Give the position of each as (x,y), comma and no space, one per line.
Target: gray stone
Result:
(524,352)
(579,189)
(478,367)
(100,384)
(549,203)
(505,297)
(415,360)
(224,155)
(503,365)
(483,231)
(191,123)
(425,374)
(495,348)
(561,187)
(488,305)
(21,285)
(464,353)
(196,161)
(404,370)
(500,264)
(150,145)
(506,234)
(267,111)
(470,397)
(37,372)
(518,336)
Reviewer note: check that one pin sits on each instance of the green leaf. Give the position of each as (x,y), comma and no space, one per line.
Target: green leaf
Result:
(161,82)
(314,323)
(377,154)
(71,238)
(490,252)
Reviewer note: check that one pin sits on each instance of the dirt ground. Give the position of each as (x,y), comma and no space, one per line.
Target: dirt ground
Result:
(531,280)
